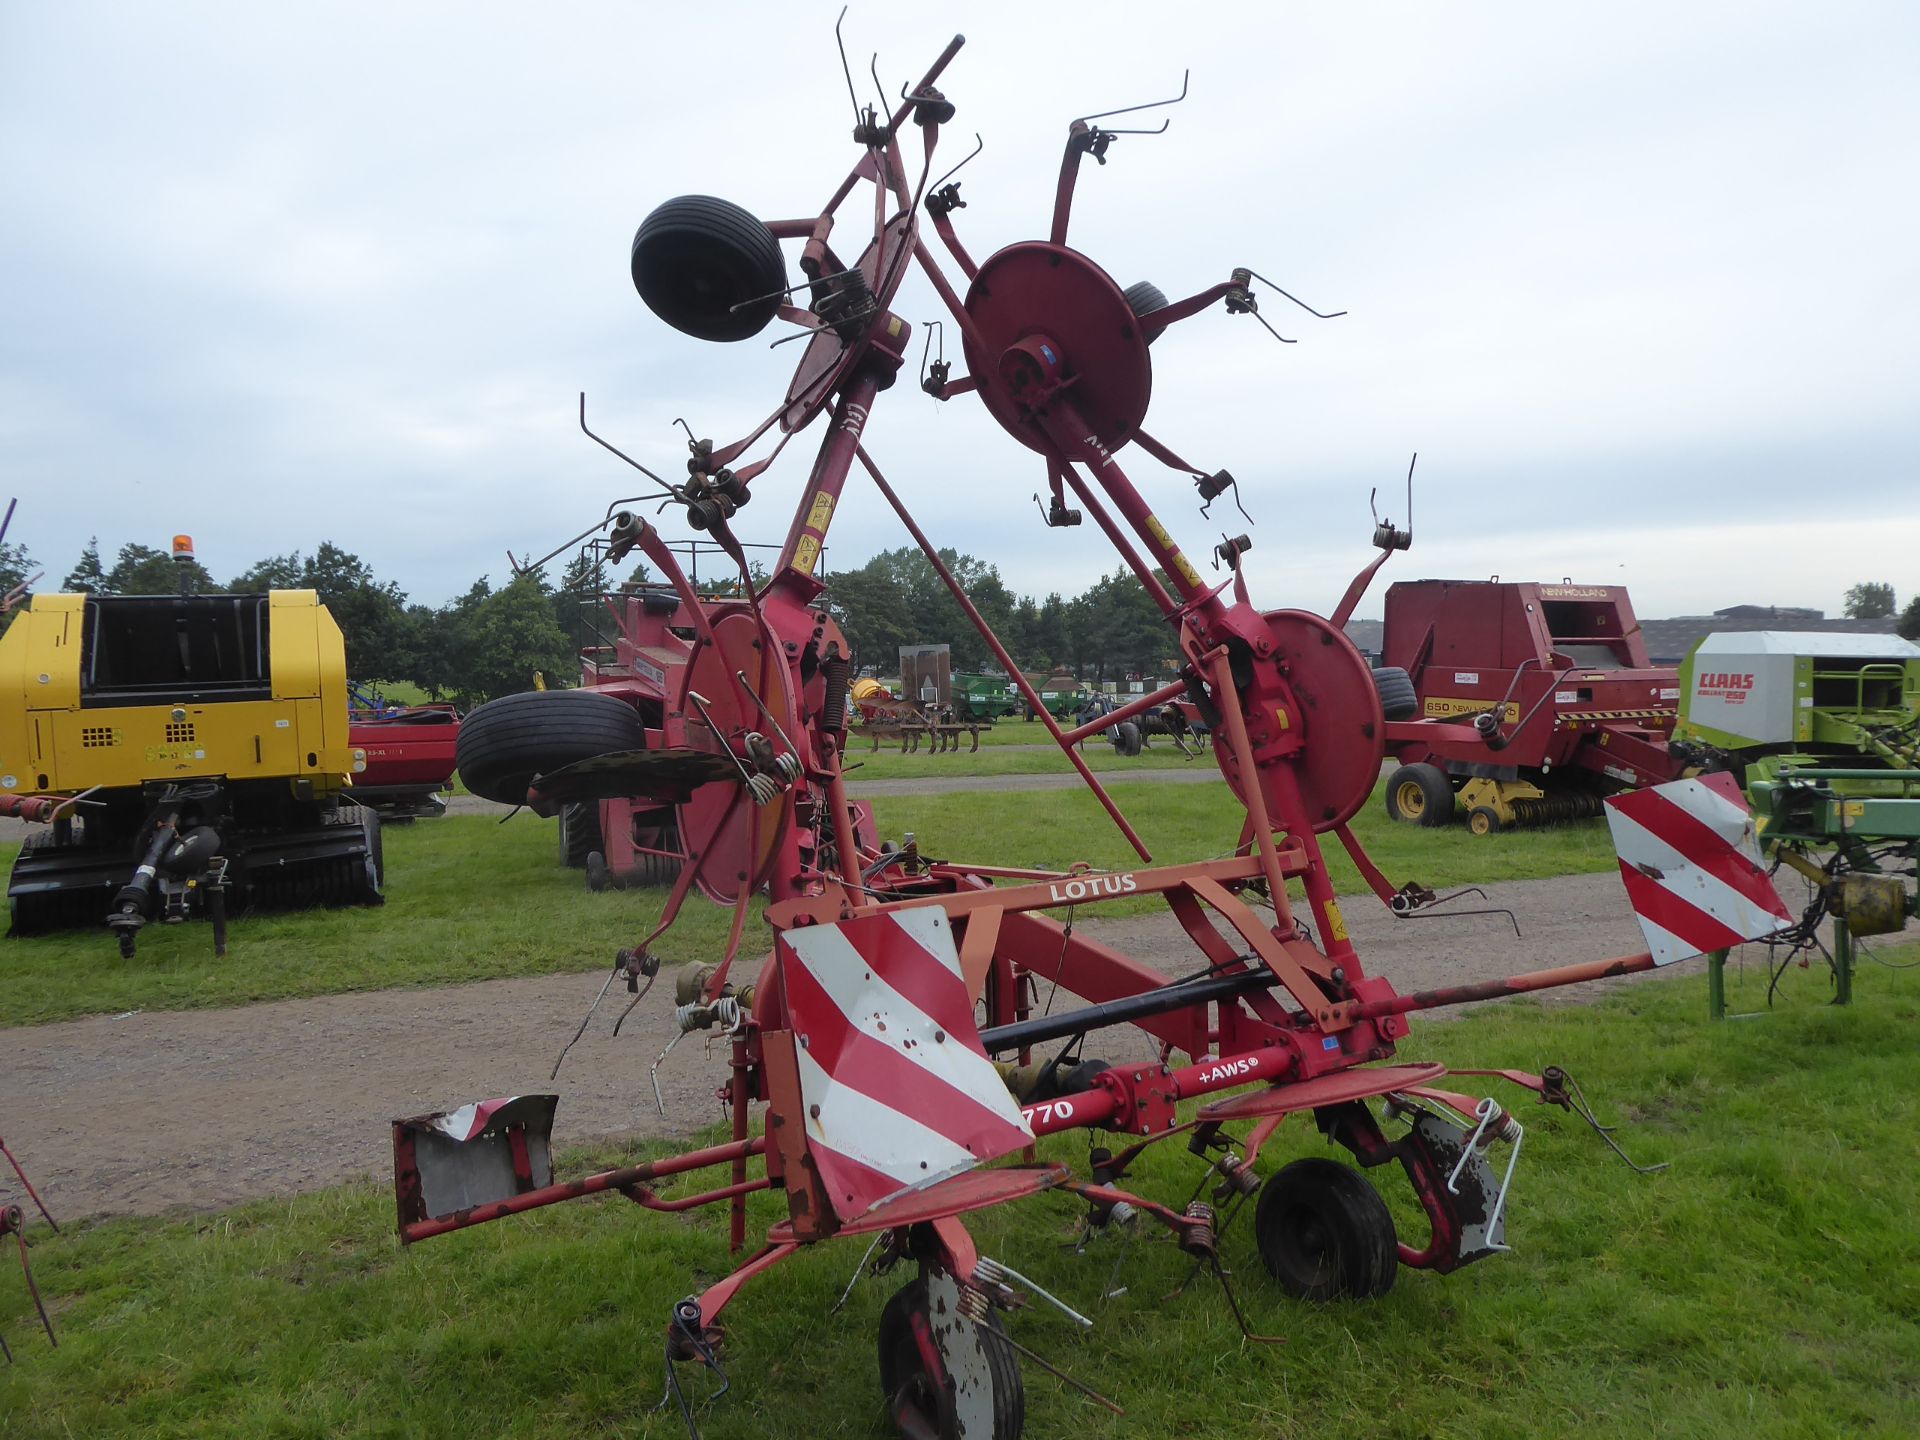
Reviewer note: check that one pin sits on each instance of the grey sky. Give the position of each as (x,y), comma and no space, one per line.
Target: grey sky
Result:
(1636,280)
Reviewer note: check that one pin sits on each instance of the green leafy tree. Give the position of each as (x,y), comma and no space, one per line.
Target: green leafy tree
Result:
(1869,600)
(143,570)
(1117,630)
(370,613)
(1909,625)
(276,572)
(511,635)
(872,606)
(1053,638)
(88,576)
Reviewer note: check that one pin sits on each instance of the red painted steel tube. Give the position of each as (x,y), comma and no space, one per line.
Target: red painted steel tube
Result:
(1495,989)
(1094,1108)
(1126,712)
(1117,536)
(829,476)
(706,1197)
(1132,506)
(1000,654)
(591,1185)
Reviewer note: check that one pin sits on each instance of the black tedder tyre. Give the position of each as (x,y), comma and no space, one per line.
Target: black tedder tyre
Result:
(506,742)
(909,1391)
(1144,299)
(695,258)
(1325,1233)
(1398,699)
(579,833)
(1126,738)
(1420,795)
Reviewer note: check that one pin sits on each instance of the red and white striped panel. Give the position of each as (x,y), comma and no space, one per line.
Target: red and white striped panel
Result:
(1690,857)
(899,1094)
(469,1120)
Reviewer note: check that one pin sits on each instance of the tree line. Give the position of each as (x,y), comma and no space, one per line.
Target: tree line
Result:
(492,639)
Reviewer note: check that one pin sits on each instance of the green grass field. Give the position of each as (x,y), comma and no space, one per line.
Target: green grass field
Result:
(890,764)
(1766,1285)
(470,898)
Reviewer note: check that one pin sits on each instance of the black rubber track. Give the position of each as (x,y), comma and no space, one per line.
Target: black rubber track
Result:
(506,742)
(696,257)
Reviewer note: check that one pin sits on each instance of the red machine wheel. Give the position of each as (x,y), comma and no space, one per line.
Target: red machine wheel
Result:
(735,841)
(985,1400)
(1325,1233)
(1034,290)
(1339,711)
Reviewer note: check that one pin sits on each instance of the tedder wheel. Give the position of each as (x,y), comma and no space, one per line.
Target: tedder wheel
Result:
(579,833)
(1143,299)
(1420,795)
(1398,699)
(695,258)
(506,742)
(1324,1232)
(985,1400)
(1484,820)
(1126,738)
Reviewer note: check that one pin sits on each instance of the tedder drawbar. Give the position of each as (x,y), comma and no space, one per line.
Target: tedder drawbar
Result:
(886,1072)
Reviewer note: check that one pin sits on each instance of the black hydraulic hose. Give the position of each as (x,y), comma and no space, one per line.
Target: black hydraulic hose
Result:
(1022,1033)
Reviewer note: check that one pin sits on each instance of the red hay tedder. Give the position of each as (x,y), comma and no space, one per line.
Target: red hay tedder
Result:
(863,1083)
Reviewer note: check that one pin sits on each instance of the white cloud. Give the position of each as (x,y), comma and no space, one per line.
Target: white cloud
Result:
(1635,281)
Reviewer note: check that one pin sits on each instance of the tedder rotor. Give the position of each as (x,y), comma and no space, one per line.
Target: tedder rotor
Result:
(887,1073)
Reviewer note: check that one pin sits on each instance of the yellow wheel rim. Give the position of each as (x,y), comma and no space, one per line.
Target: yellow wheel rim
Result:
(1410,799)
(1480,825)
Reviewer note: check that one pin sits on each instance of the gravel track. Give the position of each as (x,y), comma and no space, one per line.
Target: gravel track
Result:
(144,1112)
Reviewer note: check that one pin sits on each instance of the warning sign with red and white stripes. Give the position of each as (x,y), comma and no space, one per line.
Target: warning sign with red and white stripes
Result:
(1690,857)
(899,1094)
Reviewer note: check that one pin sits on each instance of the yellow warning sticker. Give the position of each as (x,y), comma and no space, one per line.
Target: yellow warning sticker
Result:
(806,555)
(1459,705)
(1280,714)
(1336,922)
(1174,556)
(821,512)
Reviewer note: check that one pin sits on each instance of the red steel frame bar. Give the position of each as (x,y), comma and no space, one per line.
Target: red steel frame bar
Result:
(1127,711)
(618,1180)
(1000,654)
(1495,989)
(1143,571)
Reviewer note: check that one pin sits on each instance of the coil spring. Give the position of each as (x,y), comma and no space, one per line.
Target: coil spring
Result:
(1197,1234)
(833,710)
(724,1012)
(1504,1127)
(1574,805)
